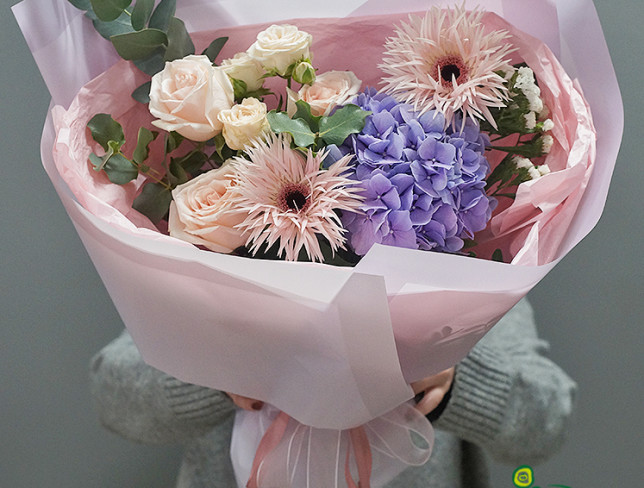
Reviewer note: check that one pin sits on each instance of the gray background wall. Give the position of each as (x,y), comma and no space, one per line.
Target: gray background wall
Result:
(55,313)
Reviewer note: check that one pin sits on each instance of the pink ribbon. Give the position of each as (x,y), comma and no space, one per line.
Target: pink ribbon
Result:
(359,443)
(362,452)
(270,441)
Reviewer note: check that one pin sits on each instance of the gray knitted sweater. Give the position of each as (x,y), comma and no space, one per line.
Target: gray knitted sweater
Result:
(507,400)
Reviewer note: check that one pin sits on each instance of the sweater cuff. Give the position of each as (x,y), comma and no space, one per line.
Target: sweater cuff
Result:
(479,397)
(196,403)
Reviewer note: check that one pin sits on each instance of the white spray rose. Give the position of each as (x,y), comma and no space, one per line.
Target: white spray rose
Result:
(245,68)
(244,122)
(329,90)
(280,46)
(187,96)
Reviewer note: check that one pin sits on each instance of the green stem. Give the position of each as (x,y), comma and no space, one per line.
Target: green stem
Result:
(154,174)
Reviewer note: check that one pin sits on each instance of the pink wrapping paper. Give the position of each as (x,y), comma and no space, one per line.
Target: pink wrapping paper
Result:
(333,347)
(384,299)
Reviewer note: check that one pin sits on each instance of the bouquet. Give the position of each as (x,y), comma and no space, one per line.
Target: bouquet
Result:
(315,221)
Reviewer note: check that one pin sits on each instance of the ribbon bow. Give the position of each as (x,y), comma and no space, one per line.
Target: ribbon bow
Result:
(291,454)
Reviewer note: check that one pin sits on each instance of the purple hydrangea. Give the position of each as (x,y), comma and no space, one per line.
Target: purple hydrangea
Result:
(424,184)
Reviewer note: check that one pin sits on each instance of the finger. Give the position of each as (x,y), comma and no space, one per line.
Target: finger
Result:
(246,403)
(424,384)
(438,379)
(430,400)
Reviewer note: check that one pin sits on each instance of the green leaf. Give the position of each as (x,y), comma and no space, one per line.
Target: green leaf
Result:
(497,256)
(152,64)
(215,47)
(179,43)
(142,93)
(192,162)
(259,93)
(122,25)
(98,162)
(154,201)
(143,141)
(304,112)
(140,44)
(468,243)
(502,173)
(141,13)
(162,14)
(347,120)
(281,122)
(81,4)
(533,149)
(239,88)
(120,170)
(105,129)
(173,140)
(180,175)
(108,10)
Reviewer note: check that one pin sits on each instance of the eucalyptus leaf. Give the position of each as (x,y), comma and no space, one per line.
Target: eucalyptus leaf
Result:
(281,122)
(99,161)
(142,93)
(215,47)
(108,10)
(153,63)
(192,162)
(178,172)
(120,170)
(105,129)
(153,201)
(347,120)
(139,44)
(162,14)
(179,43)
(173,140)
(119,26)
(81,4)
(145,137)
(141,13)
(304,112)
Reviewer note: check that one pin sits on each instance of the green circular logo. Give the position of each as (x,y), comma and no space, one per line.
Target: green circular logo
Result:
(522,476)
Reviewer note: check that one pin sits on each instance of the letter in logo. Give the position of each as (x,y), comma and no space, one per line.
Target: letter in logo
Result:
(523,477)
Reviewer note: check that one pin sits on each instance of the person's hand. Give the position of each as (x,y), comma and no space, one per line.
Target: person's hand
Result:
(433,389)
(245,402)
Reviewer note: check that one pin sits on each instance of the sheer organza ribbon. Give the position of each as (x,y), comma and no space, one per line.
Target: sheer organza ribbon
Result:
(291,454)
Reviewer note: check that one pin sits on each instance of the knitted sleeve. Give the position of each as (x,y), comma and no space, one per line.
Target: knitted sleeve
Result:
(144,404)
(507,397)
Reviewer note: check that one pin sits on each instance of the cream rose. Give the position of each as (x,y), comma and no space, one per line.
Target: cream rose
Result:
(280,46)
(329,90)
(245,68)
(201,212)
(244,122)
(187,96)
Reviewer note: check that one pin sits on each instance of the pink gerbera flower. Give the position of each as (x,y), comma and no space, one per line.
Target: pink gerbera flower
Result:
(446,61)
(290,199)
